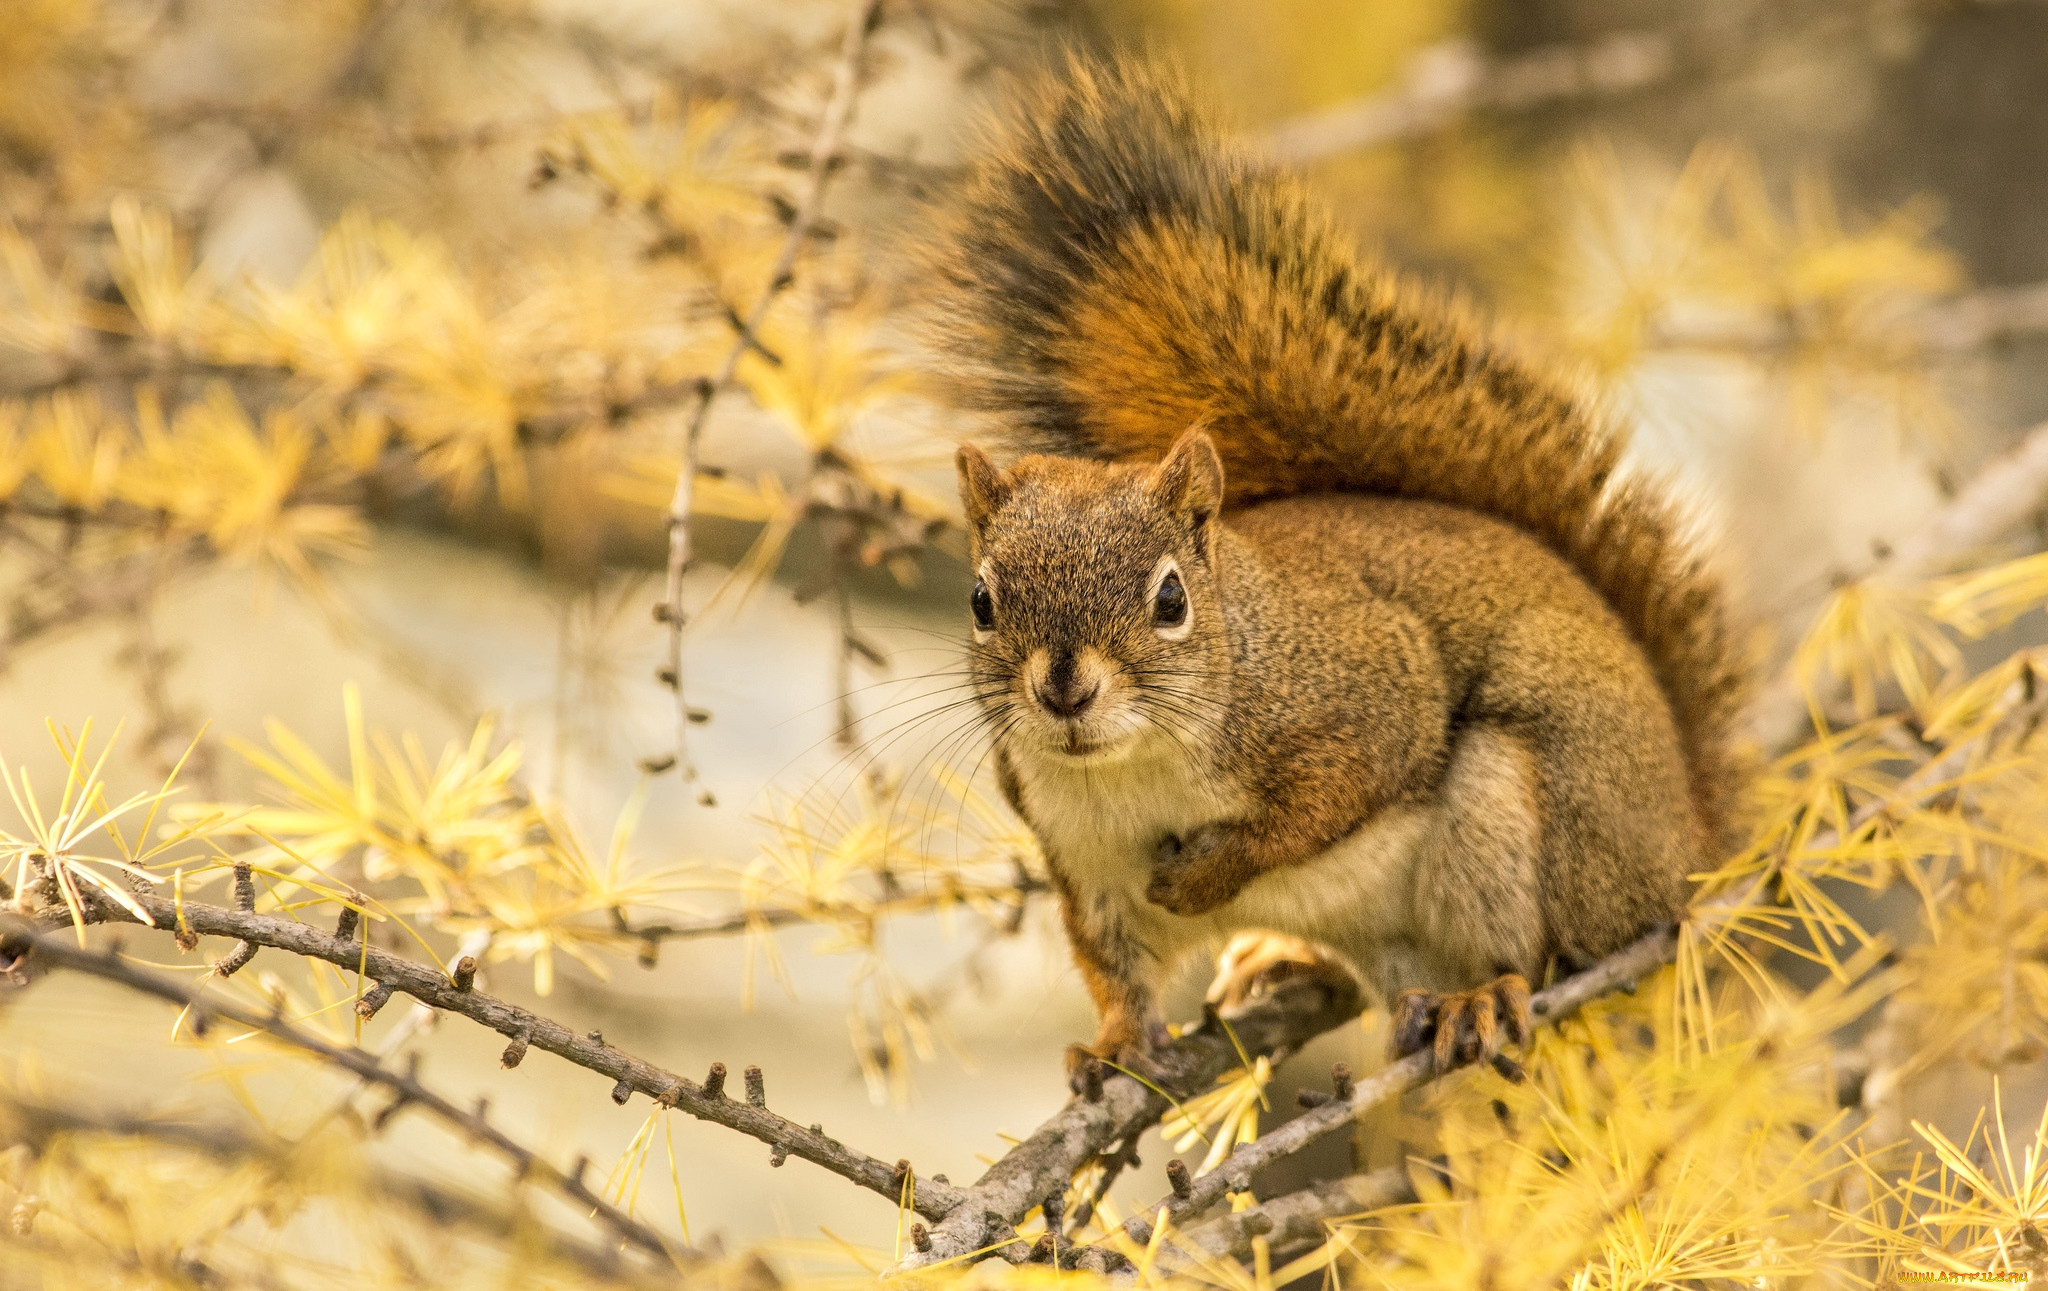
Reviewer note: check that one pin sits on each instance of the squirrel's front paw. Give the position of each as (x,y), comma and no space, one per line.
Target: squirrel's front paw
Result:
(1191,876)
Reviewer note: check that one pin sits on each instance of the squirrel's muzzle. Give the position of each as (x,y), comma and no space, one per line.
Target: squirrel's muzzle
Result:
(1067,689)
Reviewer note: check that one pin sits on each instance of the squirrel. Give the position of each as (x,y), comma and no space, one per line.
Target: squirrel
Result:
(1312,614)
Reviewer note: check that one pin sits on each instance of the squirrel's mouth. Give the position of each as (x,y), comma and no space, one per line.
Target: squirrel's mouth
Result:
(1089,742)
(1074,746)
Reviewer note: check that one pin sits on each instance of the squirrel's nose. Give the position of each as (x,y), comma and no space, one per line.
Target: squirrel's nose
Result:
(1067,701)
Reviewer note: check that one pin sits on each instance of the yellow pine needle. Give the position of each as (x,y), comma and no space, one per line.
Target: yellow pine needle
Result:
(1869,633)
(903,1207)
(55,840)
(1160,1224)
(1986,599)
(1243,1058)
(1832,303)
(76,450)
(216,474)
(1967,708)
(153,269)
(1997,1201)
(828,375)
(1231,1111)
(675,1177)
(622,1182)
(44,311)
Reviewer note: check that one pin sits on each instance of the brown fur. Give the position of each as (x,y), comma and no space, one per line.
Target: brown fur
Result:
(1428,615)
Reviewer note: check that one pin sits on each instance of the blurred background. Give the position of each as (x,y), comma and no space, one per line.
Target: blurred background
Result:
(350,352)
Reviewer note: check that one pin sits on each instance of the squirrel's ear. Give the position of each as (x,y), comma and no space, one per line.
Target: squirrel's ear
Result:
(983,486)
(1190,479)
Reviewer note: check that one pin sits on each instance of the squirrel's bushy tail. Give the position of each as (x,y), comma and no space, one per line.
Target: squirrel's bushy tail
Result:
(1116,271)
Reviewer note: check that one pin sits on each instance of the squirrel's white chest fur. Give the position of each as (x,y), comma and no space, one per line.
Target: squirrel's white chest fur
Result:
(1102,821)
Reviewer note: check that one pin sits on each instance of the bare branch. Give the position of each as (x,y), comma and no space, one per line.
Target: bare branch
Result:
(63,595)
(1293,1220)
(39,1124)
(1982,317)
(526,1029)
(171,731)
(838,111)
(407,1091)
(1023,889)
(974,1219)
(1452,79)
(556,423)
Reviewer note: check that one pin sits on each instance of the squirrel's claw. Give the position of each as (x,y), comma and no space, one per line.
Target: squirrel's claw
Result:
(1137,1060)
(1256,962)
(1466,1026)
(1135,1054)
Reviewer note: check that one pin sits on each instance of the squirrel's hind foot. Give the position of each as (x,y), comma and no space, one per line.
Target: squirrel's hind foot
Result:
(1465,1026)
(1257,962)
(1137,1050)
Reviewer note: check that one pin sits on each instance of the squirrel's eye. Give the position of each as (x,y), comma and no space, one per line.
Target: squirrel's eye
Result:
(1170,605)
(984,606)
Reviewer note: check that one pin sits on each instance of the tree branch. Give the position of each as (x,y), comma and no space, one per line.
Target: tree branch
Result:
(831,125)
(1295,1219)
(66,593)
(2009,488)
(526,1029)
(1983,317)
(1045,1162)
(1023,889)
(1961,325)
(1547,1008)
(972,1220)
(39,1124)
(56,950)
(1452,79)
(1455,78)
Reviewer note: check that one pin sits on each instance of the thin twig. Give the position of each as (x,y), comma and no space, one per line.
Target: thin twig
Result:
(66,597)
(838,111)
(170,728)
(1984,317)
(1451,81)
(1959,326)
(1023,889)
